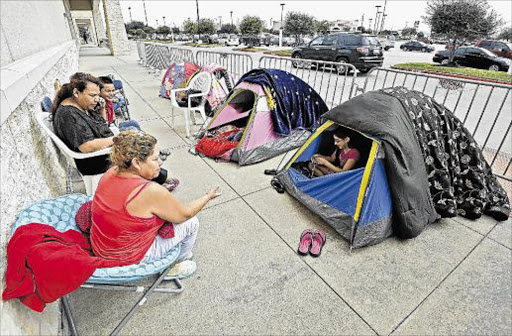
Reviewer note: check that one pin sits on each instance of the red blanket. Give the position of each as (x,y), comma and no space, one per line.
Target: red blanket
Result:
(44,264)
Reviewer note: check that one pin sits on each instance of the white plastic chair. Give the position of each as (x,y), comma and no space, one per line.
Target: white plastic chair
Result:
(201,82)
(90,181)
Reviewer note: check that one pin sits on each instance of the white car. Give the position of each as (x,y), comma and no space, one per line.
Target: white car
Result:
(233,40)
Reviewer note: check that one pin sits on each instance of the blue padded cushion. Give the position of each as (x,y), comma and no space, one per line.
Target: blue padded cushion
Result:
(118,85)
(46,104)
(60,213)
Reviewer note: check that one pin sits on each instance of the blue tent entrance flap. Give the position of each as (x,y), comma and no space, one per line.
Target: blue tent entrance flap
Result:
(337,190)
(377,202)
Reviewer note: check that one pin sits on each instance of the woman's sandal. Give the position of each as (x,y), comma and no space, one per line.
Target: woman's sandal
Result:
(306,238)
(319,239)
(182,270)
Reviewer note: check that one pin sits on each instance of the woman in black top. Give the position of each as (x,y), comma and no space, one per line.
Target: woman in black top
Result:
(80,128)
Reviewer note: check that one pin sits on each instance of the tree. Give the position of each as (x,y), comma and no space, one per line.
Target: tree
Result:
(228,29)
(299,24)
(189,27)
(322,27)
(175,30)
(164,30)
(251,25)
(148,30)
(461,20)
(134,25)
(506,34)
(409,31)
(206,26)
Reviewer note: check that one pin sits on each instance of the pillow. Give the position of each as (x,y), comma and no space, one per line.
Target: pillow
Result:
(167,230)
(83,217)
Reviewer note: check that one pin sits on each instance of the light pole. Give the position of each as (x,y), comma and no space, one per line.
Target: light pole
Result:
(220,22)
(281,27)
(376,18)
(271,22)
(370,20)
(231,18)
(130,11)
(163,18)
(383,16)
(145,12)
(156,23)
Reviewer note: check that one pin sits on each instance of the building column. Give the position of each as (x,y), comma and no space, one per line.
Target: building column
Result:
(116,32)
(98,21)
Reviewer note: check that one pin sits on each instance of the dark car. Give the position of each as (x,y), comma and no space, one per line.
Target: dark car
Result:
(498,48)
(362,50)
(473,57)
(416,46)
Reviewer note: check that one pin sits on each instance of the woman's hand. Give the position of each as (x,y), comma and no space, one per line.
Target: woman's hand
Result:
(213,193)
(321,161)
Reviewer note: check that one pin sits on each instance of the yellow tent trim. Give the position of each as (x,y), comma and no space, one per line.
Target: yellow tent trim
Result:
(365,180)
(310,140)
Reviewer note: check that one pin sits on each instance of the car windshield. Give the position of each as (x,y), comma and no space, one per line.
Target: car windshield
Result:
(371,41)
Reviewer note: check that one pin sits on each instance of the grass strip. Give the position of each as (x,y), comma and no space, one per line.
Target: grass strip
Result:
(460,72)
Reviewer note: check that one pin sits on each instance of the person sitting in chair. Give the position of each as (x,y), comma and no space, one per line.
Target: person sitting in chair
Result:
(342,159)
(82,130)
(129,211)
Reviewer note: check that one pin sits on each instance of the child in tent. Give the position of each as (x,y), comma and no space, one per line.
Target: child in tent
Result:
(342,159)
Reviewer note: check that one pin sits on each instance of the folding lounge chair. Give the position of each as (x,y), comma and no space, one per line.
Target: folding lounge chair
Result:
(200,85)
(60,213)
(90,181)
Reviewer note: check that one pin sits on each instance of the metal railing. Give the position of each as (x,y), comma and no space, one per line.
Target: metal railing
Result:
(484,108)
(333,81)
(236,64)
(161,56)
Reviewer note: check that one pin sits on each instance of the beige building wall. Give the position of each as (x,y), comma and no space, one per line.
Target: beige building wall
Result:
(36,48)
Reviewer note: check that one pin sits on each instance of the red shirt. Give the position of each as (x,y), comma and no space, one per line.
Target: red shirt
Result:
(351,154)
(115,233)
(109,106)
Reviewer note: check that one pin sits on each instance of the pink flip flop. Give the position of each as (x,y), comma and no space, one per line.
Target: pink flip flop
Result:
(319,239)
(306,238)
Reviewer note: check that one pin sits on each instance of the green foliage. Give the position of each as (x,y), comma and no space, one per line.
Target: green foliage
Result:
(148,29)
(460,71)
(138,32)
(206,26)
(462,20)
(134,25)
(228,29)
(409,31)
(251,25)
(322,27)
(299,24)
(506,34)
(164,30)
(189,27)
(175,30)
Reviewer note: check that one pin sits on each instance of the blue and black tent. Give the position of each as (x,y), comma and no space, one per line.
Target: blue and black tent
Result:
(356,203)
(418,164)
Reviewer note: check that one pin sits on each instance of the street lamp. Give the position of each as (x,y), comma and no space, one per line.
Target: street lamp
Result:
(281,28)
(376,17)
(156,22)
(163,17)
(370,20)
(130,11)
(231,17)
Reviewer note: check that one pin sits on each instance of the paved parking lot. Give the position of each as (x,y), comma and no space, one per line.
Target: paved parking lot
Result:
(452,279)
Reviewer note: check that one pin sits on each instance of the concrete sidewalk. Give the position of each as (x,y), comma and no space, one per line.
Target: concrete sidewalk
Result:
(455,278)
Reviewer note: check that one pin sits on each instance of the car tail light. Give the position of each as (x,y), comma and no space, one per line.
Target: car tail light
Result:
(363,50)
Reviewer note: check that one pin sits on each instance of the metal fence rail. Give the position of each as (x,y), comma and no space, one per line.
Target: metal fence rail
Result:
(484,108)
(331,80)
(236,64)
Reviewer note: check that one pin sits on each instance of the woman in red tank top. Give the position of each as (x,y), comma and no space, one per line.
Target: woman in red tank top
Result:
(128,208)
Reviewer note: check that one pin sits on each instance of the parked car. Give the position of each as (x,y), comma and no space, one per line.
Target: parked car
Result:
(362,50)
(473,57)
(498,48)
(251,40)
(416,45)
(271,40)
(233,40)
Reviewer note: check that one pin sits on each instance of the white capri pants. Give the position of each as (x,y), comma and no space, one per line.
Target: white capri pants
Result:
(185,233)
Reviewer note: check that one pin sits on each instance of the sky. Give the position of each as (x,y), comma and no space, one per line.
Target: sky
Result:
(399,12)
